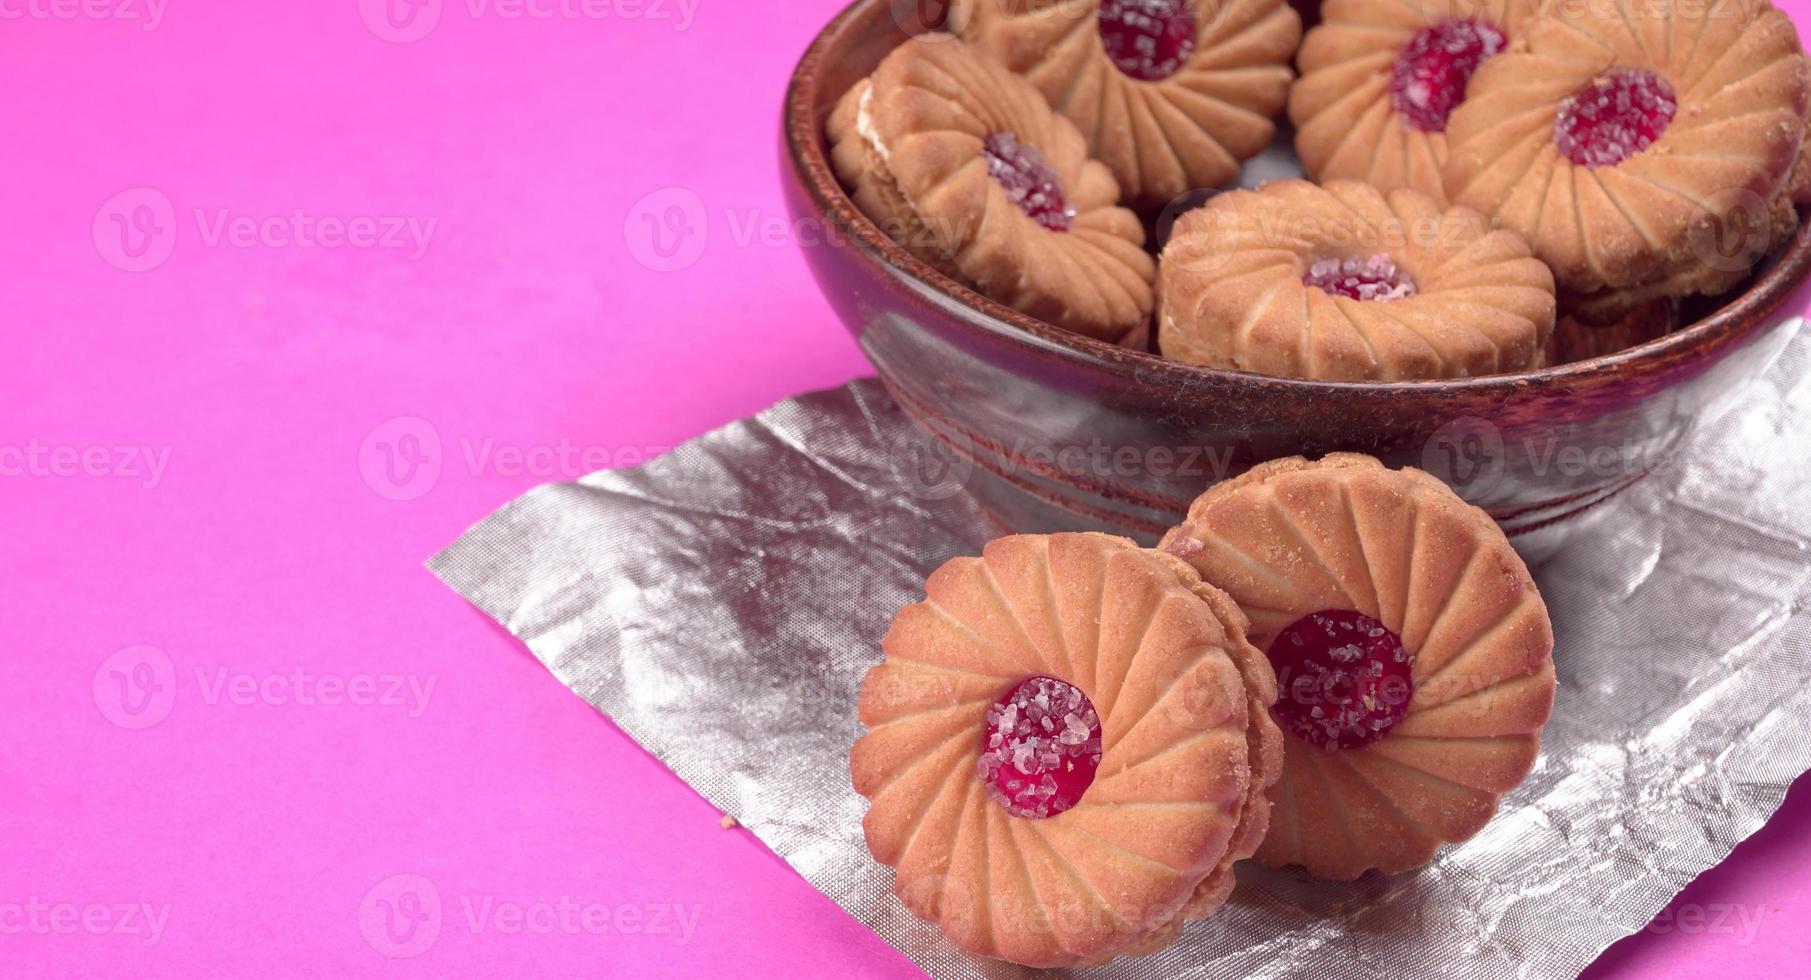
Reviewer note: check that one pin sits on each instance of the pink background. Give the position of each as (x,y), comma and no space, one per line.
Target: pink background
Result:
(198,715)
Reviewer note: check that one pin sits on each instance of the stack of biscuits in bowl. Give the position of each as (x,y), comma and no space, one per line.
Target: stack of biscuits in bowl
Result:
(1491,187)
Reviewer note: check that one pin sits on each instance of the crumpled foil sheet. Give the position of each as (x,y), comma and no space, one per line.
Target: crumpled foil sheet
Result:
(734,591)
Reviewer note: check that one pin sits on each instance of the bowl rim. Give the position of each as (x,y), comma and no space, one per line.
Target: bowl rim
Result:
(1730,325)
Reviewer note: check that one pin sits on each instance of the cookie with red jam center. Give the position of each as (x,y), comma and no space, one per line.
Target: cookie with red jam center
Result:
(964,164)
(1645,151)
(1412,652)
(1381,78)
(1171,94)
(1343,283)
(1068,746)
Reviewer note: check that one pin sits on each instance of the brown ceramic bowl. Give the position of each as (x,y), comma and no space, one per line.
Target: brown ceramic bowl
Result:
(1054,430)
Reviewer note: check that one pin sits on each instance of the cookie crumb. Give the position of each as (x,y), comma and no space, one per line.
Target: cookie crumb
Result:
(729,823)
(1185,544)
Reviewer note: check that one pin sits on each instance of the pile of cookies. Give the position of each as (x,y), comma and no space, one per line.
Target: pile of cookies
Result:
(1494,185)
(1072,739)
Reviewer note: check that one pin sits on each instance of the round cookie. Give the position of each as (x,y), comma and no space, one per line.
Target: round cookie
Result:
(1380,79)
(1644,151)
(1412,651)
(964,164)
(1171,94)
(1343,283)
(1068,746)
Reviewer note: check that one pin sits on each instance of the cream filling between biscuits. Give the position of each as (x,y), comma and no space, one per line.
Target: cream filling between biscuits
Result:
(864,122)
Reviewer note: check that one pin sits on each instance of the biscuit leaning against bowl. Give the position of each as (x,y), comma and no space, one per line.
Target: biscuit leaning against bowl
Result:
(1340,282)
(1381,77)
(1068,746)
(1412,651)
(1645,151)
(963,163)
(1171,94)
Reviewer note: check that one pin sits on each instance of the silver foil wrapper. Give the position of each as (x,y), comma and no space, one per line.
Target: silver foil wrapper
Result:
(734,592)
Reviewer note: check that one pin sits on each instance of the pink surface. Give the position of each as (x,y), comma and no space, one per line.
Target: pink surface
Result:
(350,245)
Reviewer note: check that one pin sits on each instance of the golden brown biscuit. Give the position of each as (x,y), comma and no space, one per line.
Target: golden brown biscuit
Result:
(1068,746)
(1643,149)
(1381,77)
(963,163)
(1344,283)
(1171,94)
(1412,651)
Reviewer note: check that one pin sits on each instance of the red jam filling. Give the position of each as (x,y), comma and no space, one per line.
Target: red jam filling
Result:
(1147,39)
(1373,278)
(1427,80)
(1040,749)
(1342,679)
(1028,181)
(1614,117)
